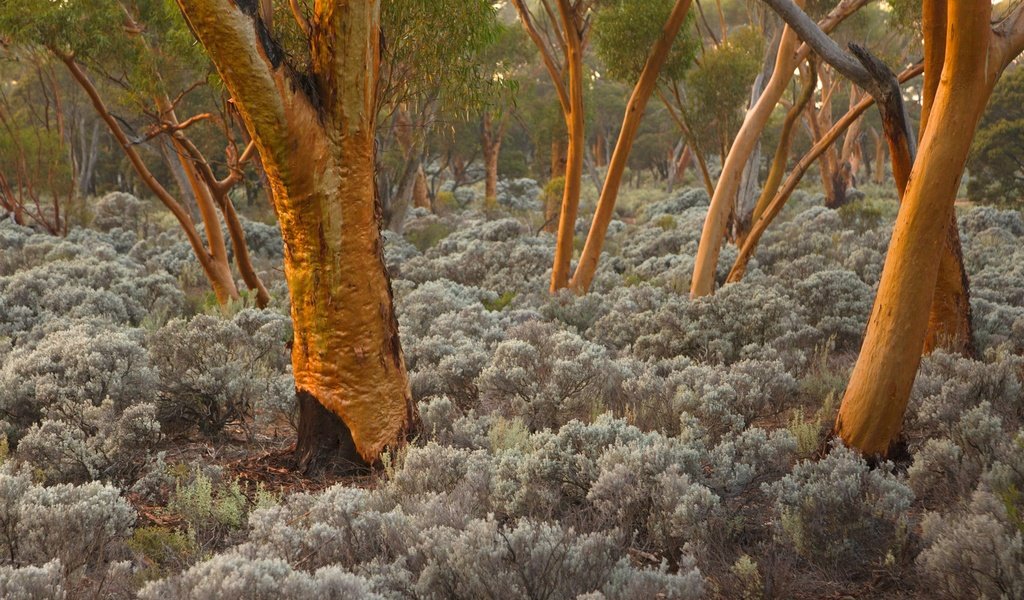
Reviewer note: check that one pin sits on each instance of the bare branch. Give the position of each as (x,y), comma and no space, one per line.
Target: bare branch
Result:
(557,77)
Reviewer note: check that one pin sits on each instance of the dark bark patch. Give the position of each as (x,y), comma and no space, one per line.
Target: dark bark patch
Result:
(273,50)
(324,442)
(249,7)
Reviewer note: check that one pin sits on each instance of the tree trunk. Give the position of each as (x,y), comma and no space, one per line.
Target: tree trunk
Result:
(879,170)
(872,410)
(491,139)
(949,323)
(223,281)
(420,196)
(781,159)
(778,202)
(576,148)
(630,124)
(318,155)
(713,233)
(219,279)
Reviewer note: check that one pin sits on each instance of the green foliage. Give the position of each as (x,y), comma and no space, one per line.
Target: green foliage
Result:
(501,303)
(996,163)
(625,31)
(428,236)
(210,512)
(166,550)
(717,90)
(433,51)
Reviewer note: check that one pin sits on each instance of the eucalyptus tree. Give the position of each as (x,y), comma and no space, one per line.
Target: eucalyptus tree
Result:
(791,53)
(137,46)
(436,71)
(637,40)
(965,55)
(561,31)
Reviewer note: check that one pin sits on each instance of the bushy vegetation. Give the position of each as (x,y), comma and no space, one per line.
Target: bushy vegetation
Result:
(630,443)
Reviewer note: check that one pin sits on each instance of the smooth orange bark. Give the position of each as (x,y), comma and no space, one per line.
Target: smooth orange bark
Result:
(949,323)
(871,414)
(630,124)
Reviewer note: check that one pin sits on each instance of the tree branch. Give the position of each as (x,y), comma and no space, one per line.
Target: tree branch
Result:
(557,77)
(252,66)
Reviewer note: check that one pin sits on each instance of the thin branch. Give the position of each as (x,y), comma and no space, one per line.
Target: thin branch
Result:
(557,77)
(300,17)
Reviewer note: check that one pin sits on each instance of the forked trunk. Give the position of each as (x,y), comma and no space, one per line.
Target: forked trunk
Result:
(872,410)
(575,150)
(949,323)
(630,125)
(716,222)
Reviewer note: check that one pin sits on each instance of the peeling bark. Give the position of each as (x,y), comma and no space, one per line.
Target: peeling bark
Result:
(316,142)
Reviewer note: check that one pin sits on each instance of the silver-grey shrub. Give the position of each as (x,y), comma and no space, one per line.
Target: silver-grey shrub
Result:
(81,364)
(214,371)
(839,513)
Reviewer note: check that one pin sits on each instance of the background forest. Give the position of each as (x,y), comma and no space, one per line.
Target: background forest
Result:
(633,248)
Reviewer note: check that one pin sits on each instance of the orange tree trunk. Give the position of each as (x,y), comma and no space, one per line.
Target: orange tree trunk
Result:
(217,271)
(572,23)
(630,124)
(949,322)
(871,413)
(716,222)
(574,124)
(318,153)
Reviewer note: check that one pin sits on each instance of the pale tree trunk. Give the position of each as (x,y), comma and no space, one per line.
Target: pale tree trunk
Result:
(491,138)
(715,224)
(872,410)
(87,163)
(318,155)
(777,203)
(681,158)
(630,124)
(746,197)
(779,162)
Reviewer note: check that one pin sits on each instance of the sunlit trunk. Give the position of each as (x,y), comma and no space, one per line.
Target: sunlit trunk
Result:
(318,154)
(574,125)
(616,168)
(872,410)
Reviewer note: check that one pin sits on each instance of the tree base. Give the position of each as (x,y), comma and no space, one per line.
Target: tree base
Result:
(324,441)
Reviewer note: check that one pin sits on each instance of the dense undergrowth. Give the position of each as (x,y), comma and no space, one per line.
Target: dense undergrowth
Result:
(629,444)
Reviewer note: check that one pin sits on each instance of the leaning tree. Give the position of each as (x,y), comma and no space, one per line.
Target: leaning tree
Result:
(968,55)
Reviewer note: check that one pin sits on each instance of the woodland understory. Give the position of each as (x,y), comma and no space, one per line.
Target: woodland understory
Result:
(629,443)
